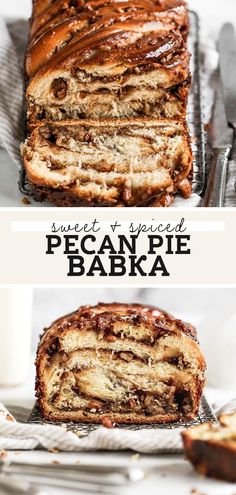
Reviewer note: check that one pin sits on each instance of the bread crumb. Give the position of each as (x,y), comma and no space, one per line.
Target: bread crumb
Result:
(3,454)
(9,417)
(195,491)
(207,126)
(25,201)
(53,451)
(56,462)
(135,457)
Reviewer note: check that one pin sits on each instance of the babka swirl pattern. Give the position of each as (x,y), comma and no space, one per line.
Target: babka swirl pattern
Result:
(122,363)
(111,63)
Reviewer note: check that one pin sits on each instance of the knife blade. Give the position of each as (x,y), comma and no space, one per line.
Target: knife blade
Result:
(227,51)
(223,120)
(221,139)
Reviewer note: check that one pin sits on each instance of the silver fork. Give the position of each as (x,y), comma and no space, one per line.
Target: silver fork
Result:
(90,478)
(16,487)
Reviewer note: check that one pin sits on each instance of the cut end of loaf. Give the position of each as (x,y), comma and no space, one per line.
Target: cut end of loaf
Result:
(131,363)
(110,162)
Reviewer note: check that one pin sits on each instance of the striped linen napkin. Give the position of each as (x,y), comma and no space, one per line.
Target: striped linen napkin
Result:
(28,436)
(11,95)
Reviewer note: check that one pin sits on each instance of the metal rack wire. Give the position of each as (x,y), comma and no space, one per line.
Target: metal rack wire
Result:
(205,414)
(195,119)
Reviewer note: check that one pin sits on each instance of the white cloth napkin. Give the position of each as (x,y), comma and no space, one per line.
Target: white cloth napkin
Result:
(18,436)
(12,47)
(26,436)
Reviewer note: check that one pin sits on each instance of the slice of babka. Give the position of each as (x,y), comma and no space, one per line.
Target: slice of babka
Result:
(211,448)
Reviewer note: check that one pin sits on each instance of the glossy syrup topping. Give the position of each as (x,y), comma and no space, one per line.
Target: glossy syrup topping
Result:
(65,32)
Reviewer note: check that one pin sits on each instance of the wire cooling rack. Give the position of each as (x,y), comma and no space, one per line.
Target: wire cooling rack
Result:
(205,414)
(195,119)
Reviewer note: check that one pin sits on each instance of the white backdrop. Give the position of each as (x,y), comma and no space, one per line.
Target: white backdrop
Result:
(212,311)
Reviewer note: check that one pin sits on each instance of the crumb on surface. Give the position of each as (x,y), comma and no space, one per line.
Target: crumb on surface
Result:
(9,417)
(135,457)
(207,126)
(195,491)
(56,462)
(25,201)
(3,454)
(53,450)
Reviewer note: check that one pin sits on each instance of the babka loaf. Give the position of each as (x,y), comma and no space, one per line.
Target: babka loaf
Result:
(102,70)
(211,448)
(119,363)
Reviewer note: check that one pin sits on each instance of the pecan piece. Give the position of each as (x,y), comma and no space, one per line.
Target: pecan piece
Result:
(148,401)
(59,88)
(127,356)
(107,422)
(132,403)
(93,404)
(111,338)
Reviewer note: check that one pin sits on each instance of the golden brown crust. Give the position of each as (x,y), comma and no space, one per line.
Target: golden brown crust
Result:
(211,448)
(151,361)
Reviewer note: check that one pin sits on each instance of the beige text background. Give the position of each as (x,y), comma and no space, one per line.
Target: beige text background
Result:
(213,246)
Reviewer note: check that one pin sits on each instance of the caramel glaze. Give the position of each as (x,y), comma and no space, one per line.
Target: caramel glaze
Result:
(40,6)
(102,317)
(88,33)
(51,11)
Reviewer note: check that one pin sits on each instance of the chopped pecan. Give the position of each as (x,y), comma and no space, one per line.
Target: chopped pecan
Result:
(54,347)
(148,401)
(127,356)
(107,422)
(45,132)
(132,403)
(59,88)
(93,404)
(111,338)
